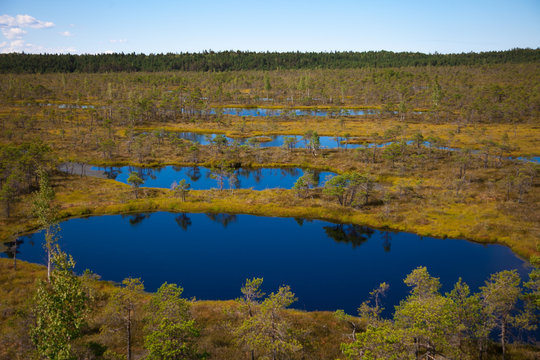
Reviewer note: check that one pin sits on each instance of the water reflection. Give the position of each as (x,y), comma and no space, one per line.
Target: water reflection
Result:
(183,221)
(202,178)
(194,173)
(284,141)
(387,245)
(211,255)
(223,219)
(136,219)
(355,235)
(256,112)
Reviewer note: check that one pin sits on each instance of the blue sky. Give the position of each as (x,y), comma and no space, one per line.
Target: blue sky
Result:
(75,26)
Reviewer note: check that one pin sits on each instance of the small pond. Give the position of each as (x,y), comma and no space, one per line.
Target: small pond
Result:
(328,266)
(200,178)
(293,112)
(326,142)
(251,111)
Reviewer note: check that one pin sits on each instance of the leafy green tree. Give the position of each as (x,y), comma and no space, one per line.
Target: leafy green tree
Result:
(383,342)
(289,142)
(181,188)
(499,297)
(250,301)
(124,310)
(402,109)
(418,139)
(47,215)
(305,183)
(267,332)
(372,313)
(528,319)
(10,190)
(337,186)
(425,315)
(251,293)
(107,147)
(347,186)
(533,285)
(135,181)
(392,152)
(471,323)
(267,85)
(311,138)
(141,146)
(220,141)
(220,172)
(60,309)
(170,329)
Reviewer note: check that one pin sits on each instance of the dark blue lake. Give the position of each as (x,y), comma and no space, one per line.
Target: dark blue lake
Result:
(202,178)
(328,266)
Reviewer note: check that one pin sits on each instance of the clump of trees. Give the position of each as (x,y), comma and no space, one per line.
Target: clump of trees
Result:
(19,169)
(458,324)
(346,188)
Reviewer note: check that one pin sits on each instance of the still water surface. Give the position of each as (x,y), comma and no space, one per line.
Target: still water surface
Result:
(329,266)
(326,142)
(202,178)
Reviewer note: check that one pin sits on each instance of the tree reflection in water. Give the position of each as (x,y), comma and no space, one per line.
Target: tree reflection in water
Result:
(194,173)
(386,241)
(11,249)
(223,219)
(301,221)
(354,234)
(112,172)
(136,219)
(183,221)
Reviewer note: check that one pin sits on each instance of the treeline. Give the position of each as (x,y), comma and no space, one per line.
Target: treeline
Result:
(247,60)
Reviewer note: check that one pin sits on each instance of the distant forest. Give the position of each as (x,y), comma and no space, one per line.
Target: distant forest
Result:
(243,60)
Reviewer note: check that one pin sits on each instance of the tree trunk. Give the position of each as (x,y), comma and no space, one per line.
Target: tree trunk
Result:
(129,335)
(48,245)
(503,339)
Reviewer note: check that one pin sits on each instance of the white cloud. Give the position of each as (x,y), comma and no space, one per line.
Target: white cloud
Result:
(20,45)
(12,26)
(17,43)
(13,29)
(66,33)
(14,32)
(7,21)
(117,41)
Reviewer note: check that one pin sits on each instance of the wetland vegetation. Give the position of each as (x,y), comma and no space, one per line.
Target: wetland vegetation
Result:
(401,147)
